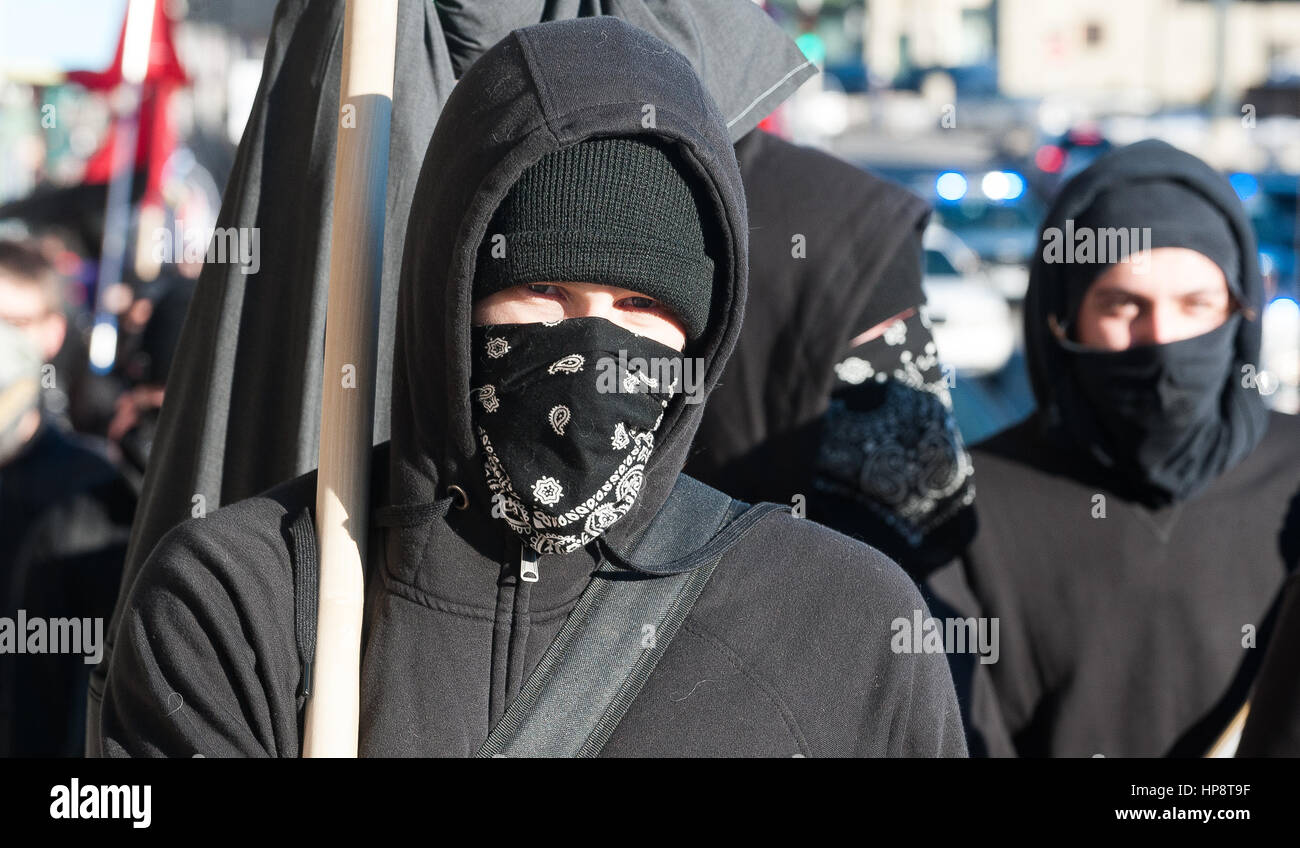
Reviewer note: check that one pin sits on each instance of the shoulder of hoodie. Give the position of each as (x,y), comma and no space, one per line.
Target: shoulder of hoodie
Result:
(238,554)
(1016,465)
(1279,451)
(1020,474)
(809,618)
(792,591)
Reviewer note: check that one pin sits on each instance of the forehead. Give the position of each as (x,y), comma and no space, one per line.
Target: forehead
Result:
(17,293)
(1165,271)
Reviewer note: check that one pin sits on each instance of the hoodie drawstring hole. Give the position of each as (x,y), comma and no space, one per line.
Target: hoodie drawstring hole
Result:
(459,499)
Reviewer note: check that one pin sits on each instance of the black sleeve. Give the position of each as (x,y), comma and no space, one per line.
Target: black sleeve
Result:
(68,570)
(926,718)
(205,661)
(949,595)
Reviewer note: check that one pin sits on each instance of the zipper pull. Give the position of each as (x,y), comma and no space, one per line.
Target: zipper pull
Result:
(527,564)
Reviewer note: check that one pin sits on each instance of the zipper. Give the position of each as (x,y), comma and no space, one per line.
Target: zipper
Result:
(527,563)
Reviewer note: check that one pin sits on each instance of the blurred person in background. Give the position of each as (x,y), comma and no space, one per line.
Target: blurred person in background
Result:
(146,366)
(835,393)
(1132,533)
(65,396)
(72,397)
(65,517)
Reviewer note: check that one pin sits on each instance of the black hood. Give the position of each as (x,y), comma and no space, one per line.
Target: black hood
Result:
(1054,382)
(540,89)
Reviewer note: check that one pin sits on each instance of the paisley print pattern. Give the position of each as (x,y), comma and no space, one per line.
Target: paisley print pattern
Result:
(564,460)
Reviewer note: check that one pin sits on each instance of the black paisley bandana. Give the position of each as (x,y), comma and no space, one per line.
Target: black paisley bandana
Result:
(890,443)
(565,429)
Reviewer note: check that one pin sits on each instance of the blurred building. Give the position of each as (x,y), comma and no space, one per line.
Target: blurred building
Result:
(1167,51)
(905,35)
(1149,53)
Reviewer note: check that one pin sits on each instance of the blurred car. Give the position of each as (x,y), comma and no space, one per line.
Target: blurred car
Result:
(972,324)
(851,74)
(966,80)
(990,210)
(1279,377)
(1061,157)
(1270,199)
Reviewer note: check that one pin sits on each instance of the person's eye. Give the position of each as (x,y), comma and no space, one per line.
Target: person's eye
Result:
(1115,303)
(545,289)
(639,303)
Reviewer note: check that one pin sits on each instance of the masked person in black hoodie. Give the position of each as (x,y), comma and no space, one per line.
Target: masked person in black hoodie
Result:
(1130,531)
(556,237)
(834,398)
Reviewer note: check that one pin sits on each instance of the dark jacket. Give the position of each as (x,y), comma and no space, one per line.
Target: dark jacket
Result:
(788,649)
(1126,628)
(65,518)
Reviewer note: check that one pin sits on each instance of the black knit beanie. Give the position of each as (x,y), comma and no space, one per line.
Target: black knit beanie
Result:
(1176,214)
(612,211)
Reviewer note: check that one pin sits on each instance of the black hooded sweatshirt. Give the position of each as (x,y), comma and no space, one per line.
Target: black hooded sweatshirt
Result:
(65,519)
(1126,628)
(786,652)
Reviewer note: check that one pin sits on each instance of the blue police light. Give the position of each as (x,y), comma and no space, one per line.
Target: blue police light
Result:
(1015,185)
(1002,185)
(1245,185)
(951,185)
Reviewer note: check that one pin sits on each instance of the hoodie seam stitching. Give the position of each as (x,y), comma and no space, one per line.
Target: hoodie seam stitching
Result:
(423,599)
(734,659)
(686,128)
(540,91)
(772,88)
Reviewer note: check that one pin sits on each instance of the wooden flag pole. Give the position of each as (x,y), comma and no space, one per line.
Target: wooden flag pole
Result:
(1226,744)
(347,398)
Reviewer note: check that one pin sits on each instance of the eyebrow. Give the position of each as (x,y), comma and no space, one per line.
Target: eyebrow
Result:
(1114,291)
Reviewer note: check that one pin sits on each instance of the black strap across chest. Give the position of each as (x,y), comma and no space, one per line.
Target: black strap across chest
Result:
(619,629)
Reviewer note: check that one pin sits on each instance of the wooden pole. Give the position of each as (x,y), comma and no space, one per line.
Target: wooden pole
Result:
(347,398)
(1226,745)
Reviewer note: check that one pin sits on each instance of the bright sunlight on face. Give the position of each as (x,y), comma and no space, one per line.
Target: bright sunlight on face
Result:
(1180,294)
(555,301)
